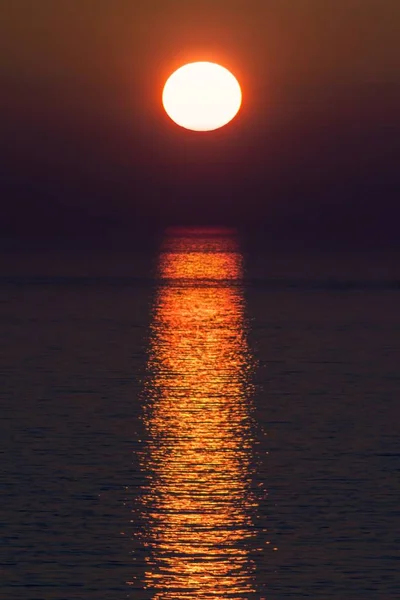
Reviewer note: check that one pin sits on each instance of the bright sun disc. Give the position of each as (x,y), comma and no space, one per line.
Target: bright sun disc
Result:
(202,96)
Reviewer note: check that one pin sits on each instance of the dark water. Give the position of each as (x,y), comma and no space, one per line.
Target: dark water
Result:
(226,427)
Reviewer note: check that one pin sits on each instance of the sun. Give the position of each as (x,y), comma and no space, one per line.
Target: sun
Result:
(202,96)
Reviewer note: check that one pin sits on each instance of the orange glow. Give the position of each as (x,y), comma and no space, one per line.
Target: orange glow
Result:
(202,96)
(198,502)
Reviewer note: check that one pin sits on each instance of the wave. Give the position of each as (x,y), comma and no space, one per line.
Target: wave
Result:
(339,285)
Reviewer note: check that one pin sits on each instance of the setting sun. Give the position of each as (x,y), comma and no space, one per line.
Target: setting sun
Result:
(202,96)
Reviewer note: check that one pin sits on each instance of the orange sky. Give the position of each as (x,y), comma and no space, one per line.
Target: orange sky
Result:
(103,42)
(81,84)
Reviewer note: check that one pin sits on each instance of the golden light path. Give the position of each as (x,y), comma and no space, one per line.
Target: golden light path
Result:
(198,504)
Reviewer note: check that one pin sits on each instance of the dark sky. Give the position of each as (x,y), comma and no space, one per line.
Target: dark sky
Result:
(86,148)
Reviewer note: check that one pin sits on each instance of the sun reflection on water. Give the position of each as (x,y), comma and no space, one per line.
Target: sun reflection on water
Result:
(198,505)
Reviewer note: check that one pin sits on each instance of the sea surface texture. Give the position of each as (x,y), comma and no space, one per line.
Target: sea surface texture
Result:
(204,423)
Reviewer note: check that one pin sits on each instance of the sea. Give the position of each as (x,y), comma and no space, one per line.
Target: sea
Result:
(203,419)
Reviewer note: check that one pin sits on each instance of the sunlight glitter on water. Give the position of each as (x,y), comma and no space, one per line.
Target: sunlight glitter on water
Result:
(198,506)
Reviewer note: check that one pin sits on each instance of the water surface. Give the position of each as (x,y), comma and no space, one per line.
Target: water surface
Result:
(222,426)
